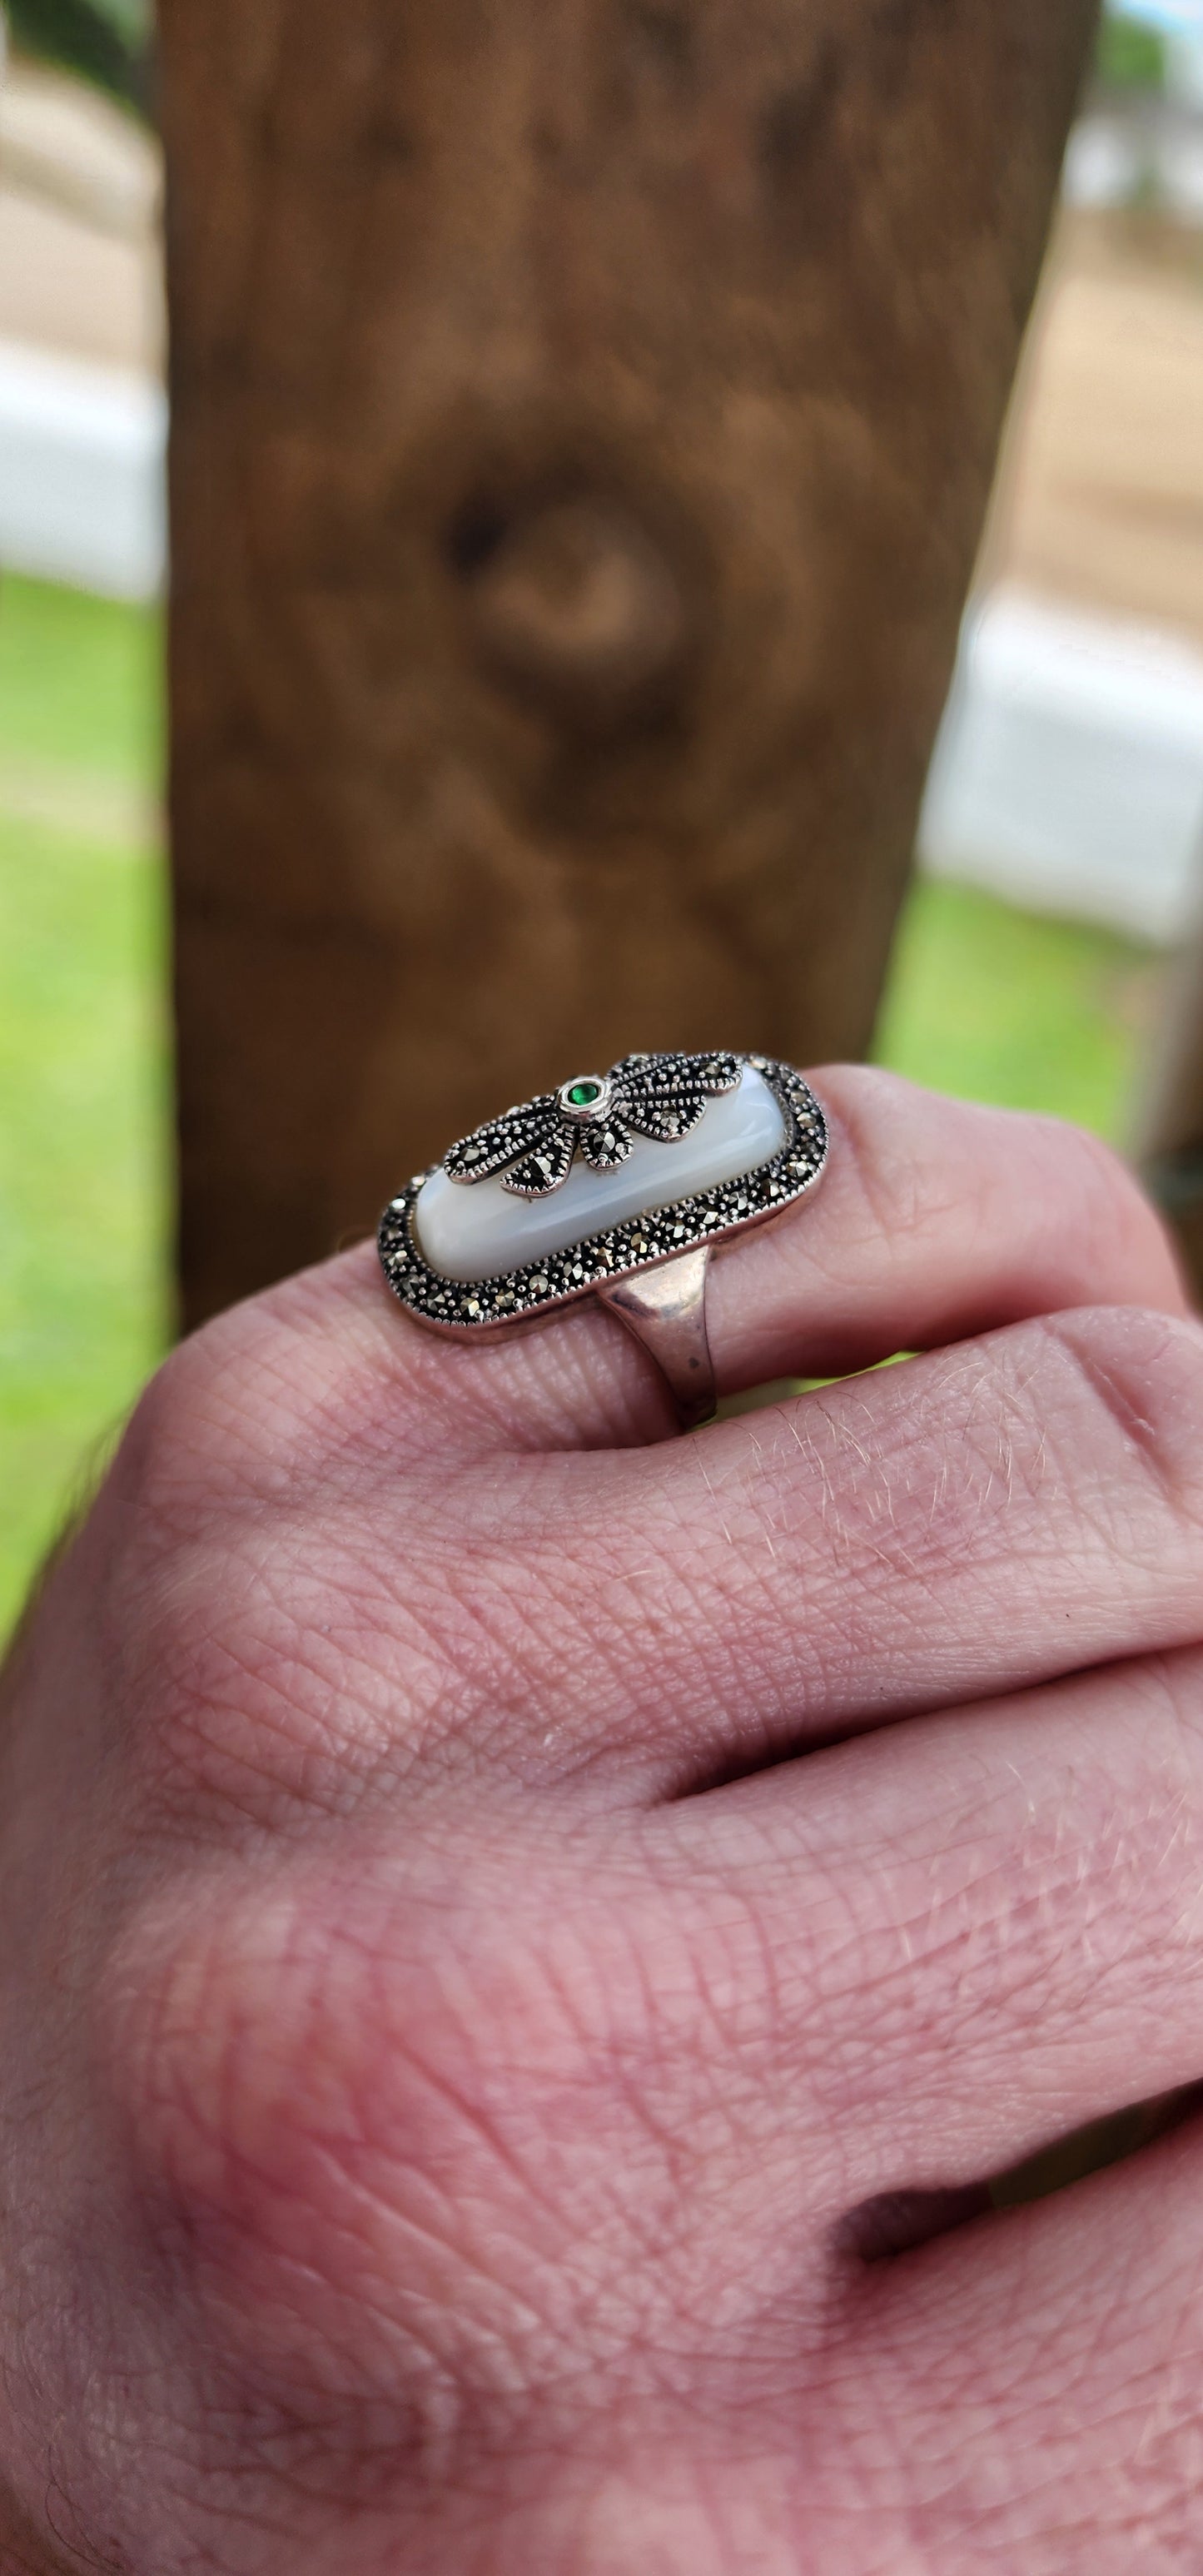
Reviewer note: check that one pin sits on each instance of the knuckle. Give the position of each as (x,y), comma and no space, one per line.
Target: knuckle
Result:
(277,1683)
(1143,1376)
(332,2090)
(213,1420)
(300,1389)
(282,2067)
(250,1411)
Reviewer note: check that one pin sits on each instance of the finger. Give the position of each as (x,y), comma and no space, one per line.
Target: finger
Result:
(935,1219)
(986,1928)
(978,1521)
(941,1216)
(1046,2366)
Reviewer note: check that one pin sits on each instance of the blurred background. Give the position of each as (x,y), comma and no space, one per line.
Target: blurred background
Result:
(1061,843)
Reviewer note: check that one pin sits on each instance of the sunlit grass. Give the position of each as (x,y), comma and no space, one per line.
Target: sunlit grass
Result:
(79,686)
(994,1004)
(82,1050)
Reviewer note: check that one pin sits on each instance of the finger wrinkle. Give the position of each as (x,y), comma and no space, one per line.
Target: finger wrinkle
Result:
(1145,1374)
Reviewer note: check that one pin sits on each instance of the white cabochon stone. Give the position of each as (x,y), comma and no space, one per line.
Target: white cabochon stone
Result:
(477,1229)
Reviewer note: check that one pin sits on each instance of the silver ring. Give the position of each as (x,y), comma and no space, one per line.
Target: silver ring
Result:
(616,1186)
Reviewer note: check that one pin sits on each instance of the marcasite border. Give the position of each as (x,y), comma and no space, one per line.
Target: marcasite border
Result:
(471,1306)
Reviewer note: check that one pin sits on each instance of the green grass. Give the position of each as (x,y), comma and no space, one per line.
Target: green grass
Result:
(983,1001)
(82,1050)
(79,685)
(994,1004)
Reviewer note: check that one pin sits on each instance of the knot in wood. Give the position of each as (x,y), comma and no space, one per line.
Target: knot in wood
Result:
(576,604)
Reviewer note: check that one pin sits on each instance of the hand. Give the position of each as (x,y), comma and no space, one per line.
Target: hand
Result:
(508,1916)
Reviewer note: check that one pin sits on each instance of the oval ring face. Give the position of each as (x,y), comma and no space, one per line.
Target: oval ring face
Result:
(749,1139)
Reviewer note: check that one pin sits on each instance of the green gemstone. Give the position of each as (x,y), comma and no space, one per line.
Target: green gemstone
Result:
(583,1094)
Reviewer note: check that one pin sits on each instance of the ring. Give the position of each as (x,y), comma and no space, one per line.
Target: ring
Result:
(617,1187)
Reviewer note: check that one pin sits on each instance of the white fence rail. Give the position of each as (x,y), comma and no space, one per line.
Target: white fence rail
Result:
(1069,770)
(81,473)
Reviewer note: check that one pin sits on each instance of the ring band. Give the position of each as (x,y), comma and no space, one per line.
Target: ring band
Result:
(665,1309)
(616,1186)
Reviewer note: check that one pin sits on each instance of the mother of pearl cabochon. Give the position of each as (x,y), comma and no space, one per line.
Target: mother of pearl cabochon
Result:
(478,1230)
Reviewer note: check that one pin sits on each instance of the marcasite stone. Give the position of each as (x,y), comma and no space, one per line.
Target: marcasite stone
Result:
(481,1232)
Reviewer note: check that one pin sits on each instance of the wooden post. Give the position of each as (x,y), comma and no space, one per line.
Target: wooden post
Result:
(584,413)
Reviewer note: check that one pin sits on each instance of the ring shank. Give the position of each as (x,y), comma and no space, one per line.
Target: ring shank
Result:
(665,1308)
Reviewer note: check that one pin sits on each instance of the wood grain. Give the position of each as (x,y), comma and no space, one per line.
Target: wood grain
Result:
(584,414)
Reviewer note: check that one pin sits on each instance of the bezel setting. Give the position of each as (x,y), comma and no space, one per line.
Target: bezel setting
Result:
(586,1113)
(470,1307)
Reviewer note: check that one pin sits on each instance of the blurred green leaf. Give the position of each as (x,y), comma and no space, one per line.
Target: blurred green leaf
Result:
(1131,55)
(108,42)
